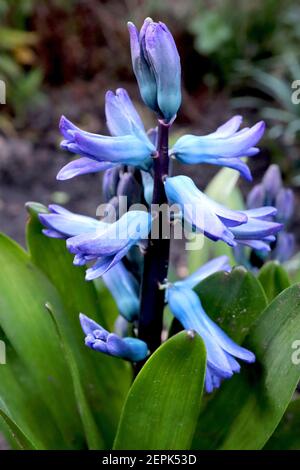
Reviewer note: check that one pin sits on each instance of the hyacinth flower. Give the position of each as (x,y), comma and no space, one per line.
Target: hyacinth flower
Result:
(186,306)
(216,221)
(156,65)
(221,351)
(107,247)
(270,192)
(224,147)
(128,145)
(133,265)
(99,339)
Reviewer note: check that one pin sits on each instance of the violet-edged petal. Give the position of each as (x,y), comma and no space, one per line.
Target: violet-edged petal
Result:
(68,224)
(257,245)
(264,212)
(52,233)
(82,166)
(218,264)
(99,339)
(233,163)
(121,116)
(125,290)
(256,229)
(125,150)
(228,129)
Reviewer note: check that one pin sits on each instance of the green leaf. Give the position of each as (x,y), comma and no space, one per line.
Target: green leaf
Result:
(163,403)
(22,403)
(234,300)
(23,293)
(104,379)
(20,438)
(245,411)
(286,435)
(274,279)
(93,437)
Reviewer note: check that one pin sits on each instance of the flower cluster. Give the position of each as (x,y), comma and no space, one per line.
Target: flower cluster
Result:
(135,163)
(271,192)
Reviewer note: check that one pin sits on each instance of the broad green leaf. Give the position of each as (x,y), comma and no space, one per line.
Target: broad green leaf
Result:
(23,293)
(104,379)
(18,435)
(245,411)
(223,189)
(234,300)
(287,435)
(274,279)
(93,437)
(163,403)
(22,403)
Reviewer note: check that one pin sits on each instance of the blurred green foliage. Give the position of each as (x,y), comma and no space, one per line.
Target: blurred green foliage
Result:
(18,65)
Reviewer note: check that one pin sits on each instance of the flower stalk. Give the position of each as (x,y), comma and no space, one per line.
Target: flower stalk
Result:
(156,260)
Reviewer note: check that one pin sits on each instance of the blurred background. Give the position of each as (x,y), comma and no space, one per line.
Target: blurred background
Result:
(60,56)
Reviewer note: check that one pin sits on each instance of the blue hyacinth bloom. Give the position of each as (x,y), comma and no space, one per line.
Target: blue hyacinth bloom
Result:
(107,247)
(128,145)
(156,65)
(204,215)
(224,147)
(125,290)
(222,351)
(61,223)
(259,231)
(99,339)
(201,213)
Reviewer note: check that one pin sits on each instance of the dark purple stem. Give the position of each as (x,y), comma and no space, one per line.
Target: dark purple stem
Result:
(156,260)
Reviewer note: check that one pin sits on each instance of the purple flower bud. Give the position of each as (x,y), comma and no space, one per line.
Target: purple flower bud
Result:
(110,182)
(272,183)
(285,205)
(256,197)
(156,65)
(101,340)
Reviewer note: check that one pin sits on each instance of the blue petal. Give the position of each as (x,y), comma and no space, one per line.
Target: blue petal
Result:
(121,115)
(193,149)
(256,229)
(126,150)
(82,166)
(261,212)
(88,325)
(186,307)
(69,224)
(227,129)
